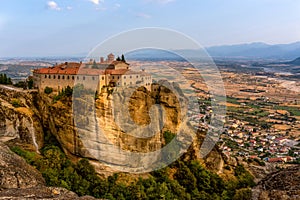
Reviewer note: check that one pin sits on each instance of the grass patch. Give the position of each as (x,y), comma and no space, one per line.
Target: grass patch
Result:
(293,110)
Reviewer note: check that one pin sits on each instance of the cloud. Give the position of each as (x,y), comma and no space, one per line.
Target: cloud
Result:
(69,7)
(101,8)
(52,5)
(96,1)
(117,5)
(143,15)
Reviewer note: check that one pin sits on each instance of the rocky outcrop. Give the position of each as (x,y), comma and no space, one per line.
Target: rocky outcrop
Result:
(15,172)
(42,193)
(19,181)
(281,185)
(19,120)
(132,121)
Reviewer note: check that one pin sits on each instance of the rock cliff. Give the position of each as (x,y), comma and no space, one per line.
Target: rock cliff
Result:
(115,114)
(281,185)
(19,120)
(19,181)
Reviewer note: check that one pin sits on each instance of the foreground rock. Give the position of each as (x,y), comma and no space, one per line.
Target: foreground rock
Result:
(281,185)
(41,192)
(18,180)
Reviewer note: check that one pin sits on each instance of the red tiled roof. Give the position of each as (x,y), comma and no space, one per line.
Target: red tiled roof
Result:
(69,69)
(116,71)
(85,71)
(79,68)
(275,160)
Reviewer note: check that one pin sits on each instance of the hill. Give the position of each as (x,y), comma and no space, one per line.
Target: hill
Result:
(295,62)
(257,50)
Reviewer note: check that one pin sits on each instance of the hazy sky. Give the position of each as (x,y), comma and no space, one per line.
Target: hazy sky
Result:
(72,27)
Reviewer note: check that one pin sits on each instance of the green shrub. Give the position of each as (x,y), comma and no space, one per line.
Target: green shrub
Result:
(227,167)
(168,136)
(16,103)
(30,157)
(242,194)
(48,90)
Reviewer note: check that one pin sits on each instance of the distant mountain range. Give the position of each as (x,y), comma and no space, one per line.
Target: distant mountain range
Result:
(257,50)
(295,62)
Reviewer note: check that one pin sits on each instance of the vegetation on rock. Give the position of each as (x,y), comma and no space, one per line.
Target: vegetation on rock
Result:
(181,180)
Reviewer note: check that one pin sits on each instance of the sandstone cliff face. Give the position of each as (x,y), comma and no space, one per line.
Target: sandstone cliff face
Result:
(22,122)
(93,128)
(120,117)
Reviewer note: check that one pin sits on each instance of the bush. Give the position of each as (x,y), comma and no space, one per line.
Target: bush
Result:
(227,167)
(30,83)
(30,157)
(242,194)
(48,90)
(168,136)
(16,103)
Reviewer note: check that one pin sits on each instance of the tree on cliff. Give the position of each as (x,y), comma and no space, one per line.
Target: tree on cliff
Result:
(123,58)
(5,80)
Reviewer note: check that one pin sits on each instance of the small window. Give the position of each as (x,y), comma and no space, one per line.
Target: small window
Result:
(124,77)
(68,77)
(137,76)
(63,77)
(113,77)
(49,76)
(130,76)
(102,77)
(93,78)
(54,77)
(45,76)
(118,77)
(73,77)
(124,83)
(58,77)
(83,78)
(77,77)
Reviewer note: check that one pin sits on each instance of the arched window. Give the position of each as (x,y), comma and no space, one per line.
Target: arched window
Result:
(83,78)
(130,77)
(45,76)
(58,77)
(102,77)
(49,76)
(73,78)
(77,77)
(124,77)
(68,77)
(63,77)
(93,78)
(53,76)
